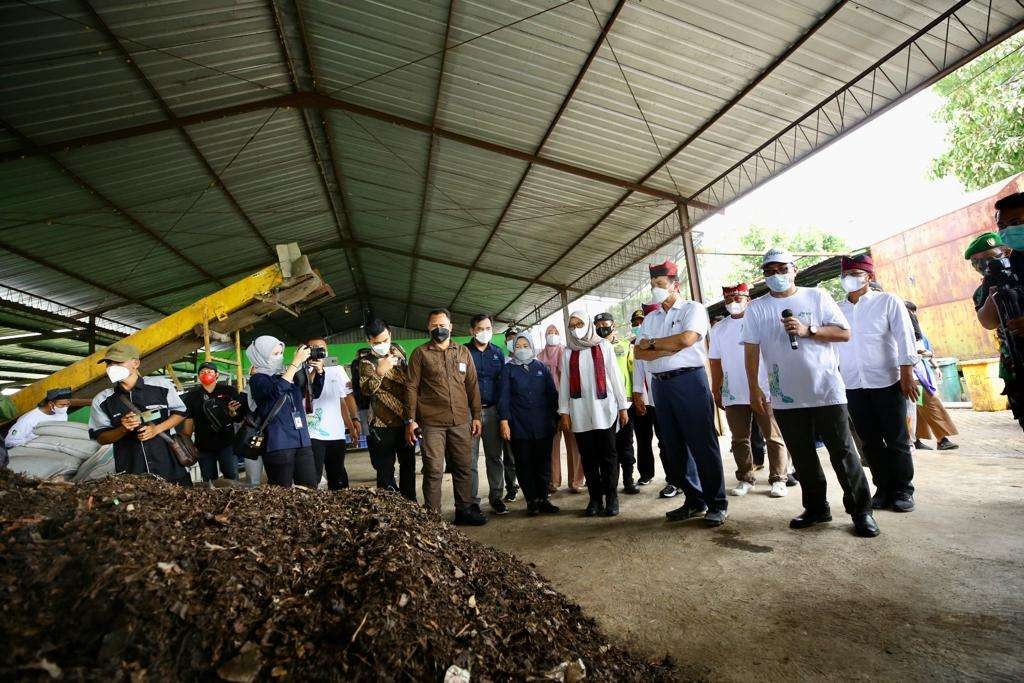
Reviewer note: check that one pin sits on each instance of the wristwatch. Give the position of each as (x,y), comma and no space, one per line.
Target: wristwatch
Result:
(812,330)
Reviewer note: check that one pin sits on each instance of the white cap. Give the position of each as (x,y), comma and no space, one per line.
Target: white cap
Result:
(777,255)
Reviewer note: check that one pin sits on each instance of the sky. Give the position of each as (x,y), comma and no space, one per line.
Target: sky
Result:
(869,185)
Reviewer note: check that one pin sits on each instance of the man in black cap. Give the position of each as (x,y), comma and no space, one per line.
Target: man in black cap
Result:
(213,409)
(133,413)
(53,407)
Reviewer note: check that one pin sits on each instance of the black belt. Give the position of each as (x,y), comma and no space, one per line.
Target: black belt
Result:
(672,373)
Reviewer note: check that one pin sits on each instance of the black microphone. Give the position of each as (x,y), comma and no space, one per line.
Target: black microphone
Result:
(793,343)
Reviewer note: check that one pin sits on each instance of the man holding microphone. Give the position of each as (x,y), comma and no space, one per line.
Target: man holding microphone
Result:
(794,329)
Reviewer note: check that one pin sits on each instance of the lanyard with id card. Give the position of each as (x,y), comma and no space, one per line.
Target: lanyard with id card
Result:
(297,419)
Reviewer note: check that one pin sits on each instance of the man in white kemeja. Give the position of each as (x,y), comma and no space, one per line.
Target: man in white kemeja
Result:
(729,387)
(591,399)
(53,407)
(878,369)
(795,329)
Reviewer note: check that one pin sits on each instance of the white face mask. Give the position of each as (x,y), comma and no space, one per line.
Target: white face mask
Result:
(277,362)
(734,308)
(60,410)
(484,336)
(553,339)
(579,332)
(117,373)
(659,295)
(382,349)
(851,283)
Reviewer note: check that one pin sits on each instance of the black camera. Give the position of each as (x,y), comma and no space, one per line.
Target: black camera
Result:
(317,353)
(1009,300)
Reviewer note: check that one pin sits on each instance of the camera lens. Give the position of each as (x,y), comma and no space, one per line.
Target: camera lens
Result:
(317,353)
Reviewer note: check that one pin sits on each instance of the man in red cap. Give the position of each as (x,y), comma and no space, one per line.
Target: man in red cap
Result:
(671,343)
(729,387)
(877,365)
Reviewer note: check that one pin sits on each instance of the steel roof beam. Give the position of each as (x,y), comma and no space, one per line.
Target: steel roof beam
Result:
(547,134)
(431,146)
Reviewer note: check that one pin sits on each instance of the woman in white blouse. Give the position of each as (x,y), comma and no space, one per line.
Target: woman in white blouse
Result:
(592,397)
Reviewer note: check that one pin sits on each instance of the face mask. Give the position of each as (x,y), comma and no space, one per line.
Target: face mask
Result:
(207,377)
(636,330)
(851,283)
(484,336)
(778,283)
(382,349)
(440,334)
(60,410)
(604,332)
(734,308)
(1013,236)
(277,362)
(579,332)
(523,354)
(659,295)
(552,339)
(117,373)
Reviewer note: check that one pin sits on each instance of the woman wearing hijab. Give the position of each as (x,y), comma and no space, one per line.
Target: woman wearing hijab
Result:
(288,456)
(592,398)
(551,355)
(528,413)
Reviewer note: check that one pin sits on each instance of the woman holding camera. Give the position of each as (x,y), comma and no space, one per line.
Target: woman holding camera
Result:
(273,393)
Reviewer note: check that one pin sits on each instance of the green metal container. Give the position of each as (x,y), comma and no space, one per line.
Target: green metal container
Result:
(948,382)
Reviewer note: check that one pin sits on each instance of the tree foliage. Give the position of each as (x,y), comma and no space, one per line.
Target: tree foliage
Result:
(759,240)
(984,111)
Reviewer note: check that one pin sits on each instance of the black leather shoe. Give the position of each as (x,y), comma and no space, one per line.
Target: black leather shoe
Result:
(612,508)
(629,487)
(903,502)
(547,507)
(864,525)
(881,501)
(471,516)
(687,511)
(594,509)
(809,518)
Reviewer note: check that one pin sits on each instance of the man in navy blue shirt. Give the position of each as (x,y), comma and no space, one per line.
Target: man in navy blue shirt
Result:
(489,360)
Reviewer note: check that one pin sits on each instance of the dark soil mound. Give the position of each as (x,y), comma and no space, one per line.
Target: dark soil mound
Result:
(129,578)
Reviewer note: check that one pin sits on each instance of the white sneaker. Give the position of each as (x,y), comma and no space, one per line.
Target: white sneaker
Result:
(742,489)
(779,490)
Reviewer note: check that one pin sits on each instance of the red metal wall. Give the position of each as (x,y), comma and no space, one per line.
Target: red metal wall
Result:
(926,265)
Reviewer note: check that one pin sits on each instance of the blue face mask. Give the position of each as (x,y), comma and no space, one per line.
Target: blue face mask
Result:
(1013,236)
(779,282)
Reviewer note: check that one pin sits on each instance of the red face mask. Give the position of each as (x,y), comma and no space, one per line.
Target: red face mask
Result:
(208,377)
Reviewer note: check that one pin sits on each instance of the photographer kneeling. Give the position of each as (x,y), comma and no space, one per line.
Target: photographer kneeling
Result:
(999,301)
(274,392)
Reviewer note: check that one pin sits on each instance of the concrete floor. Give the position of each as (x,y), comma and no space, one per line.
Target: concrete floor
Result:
(940,594)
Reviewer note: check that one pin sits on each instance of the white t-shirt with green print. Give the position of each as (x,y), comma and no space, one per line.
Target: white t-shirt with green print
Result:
(809,376)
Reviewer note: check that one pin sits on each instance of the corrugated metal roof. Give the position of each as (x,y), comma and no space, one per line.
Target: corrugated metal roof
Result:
(377,183)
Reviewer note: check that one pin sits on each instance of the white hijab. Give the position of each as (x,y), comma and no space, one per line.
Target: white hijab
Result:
(259,353)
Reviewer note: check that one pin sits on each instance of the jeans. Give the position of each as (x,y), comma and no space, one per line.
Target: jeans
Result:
(533,463)
(291,466)
(330,455)
(386,444)
(490,437)
(800,427)
(597,450)
(225,457)
(880,418)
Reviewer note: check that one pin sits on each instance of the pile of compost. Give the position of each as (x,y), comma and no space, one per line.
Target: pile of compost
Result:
(128,578)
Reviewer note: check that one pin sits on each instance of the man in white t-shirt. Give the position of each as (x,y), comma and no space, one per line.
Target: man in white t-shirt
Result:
(794,329)
(333,415)
(729,387)
(878,370)
(53,407)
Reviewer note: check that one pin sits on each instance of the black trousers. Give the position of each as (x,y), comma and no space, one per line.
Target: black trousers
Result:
(291,466)
(644,426)
(880,418)
(386,445)
(330,456)
(533,465)
(600,464)
(758,447)
(624,451)
(800,427)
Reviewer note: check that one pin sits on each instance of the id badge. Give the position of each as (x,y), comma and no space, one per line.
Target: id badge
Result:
(462,367)
(297,419)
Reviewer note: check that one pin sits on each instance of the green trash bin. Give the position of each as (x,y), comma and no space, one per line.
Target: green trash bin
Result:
(948,382)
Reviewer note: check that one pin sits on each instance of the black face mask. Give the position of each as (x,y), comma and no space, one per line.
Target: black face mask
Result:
(603,332)
(440,334)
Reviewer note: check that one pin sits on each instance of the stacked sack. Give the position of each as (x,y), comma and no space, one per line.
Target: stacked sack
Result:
(62,451)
